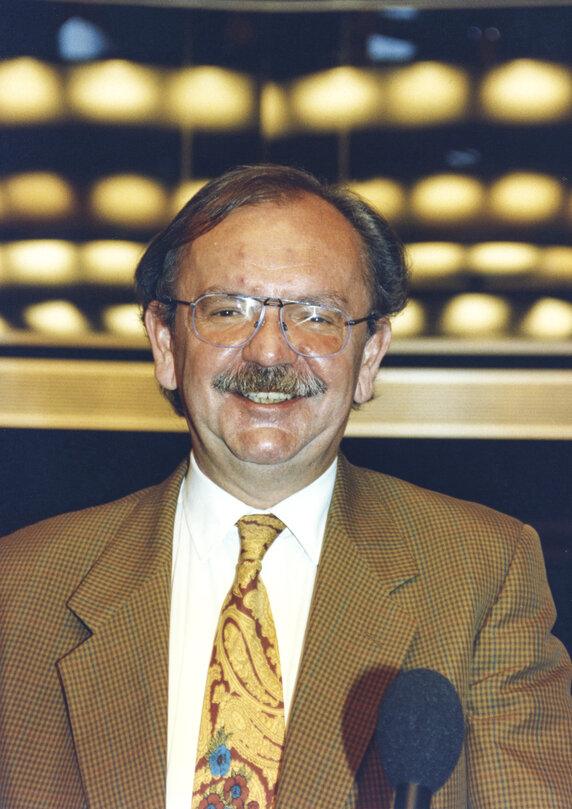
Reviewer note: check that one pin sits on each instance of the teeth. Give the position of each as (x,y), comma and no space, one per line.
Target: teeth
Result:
(268,397)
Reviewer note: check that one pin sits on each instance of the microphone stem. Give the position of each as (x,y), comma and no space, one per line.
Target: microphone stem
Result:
(412,796)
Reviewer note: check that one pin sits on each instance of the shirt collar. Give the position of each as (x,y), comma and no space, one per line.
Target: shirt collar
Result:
(210,511)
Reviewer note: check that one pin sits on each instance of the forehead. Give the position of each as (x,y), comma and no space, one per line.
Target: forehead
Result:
(300,241)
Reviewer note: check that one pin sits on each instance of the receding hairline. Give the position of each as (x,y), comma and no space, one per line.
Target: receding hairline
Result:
(280,198)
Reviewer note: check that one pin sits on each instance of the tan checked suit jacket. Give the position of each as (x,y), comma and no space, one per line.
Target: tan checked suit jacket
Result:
(407,579)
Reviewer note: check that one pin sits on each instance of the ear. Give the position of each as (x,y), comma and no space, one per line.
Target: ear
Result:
(374,351)
(161,339)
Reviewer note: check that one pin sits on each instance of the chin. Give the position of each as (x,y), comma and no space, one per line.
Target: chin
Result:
(265,450)
(266,457)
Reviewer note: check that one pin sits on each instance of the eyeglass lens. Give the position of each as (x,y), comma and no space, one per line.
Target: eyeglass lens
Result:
(228,321)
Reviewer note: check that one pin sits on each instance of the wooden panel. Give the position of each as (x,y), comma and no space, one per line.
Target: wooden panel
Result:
(429,403)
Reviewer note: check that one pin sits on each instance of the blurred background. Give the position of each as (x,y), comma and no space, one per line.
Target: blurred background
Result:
(453,119)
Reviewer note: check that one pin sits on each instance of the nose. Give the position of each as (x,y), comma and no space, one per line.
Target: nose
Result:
(268,346)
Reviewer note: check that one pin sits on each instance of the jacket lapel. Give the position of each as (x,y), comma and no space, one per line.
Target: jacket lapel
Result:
(356,642)
(116,682)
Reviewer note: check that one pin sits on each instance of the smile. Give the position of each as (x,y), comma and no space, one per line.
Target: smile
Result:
(268,397)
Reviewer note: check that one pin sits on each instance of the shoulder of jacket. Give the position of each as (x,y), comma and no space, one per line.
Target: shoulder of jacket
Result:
(413,504)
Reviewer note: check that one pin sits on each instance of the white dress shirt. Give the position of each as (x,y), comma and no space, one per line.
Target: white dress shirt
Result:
(205,553)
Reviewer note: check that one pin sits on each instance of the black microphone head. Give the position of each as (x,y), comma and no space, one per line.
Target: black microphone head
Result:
(420,729)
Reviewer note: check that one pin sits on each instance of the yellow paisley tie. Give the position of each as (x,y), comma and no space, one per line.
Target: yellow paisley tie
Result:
(242,725)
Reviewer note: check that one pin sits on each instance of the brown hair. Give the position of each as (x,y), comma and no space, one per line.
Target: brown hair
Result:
(157,272)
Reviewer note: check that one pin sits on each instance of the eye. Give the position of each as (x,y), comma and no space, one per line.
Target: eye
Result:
(316,317)
(221,308)
(226,312)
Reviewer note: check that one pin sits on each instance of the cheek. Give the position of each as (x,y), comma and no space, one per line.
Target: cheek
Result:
(340,375)
(196,367)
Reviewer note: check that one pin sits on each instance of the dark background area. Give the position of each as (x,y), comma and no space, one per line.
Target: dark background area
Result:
(46,472)
(282,47)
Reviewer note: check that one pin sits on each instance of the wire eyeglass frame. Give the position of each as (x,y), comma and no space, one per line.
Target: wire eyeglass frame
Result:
(346,323)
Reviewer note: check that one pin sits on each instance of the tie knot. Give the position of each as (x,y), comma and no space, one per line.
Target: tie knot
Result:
(257,533)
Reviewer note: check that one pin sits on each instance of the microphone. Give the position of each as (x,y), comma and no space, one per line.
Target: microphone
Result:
(419,735)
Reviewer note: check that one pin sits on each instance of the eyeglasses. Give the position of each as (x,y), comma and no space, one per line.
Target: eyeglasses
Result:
(231,321)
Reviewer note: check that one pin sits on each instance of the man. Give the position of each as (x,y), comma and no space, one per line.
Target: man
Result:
(266,304)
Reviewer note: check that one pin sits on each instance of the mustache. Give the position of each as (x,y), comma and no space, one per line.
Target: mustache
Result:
(254,378)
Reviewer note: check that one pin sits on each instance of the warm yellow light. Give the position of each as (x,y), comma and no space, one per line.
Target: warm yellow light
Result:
(527,91)
(38,195)
(4,326)
(110,262)
(210,98)
(411,322)
(447,199)
(475,315)
(130,200)
(184,193)
(386,196)
(337,99)
(434,260)
(427,93)
(30,91)
(57,318)
(115,91)
(503,258)
(124,320)
(45,262)
(275,116)
(556,262)
(525,198)
(549,318)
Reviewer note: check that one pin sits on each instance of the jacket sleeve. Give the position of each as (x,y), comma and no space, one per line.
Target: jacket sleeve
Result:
(519,711)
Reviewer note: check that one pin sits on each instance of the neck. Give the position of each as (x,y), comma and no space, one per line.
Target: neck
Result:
(261,486)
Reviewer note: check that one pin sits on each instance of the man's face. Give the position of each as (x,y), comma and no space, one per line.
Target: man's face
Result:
(302,250)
